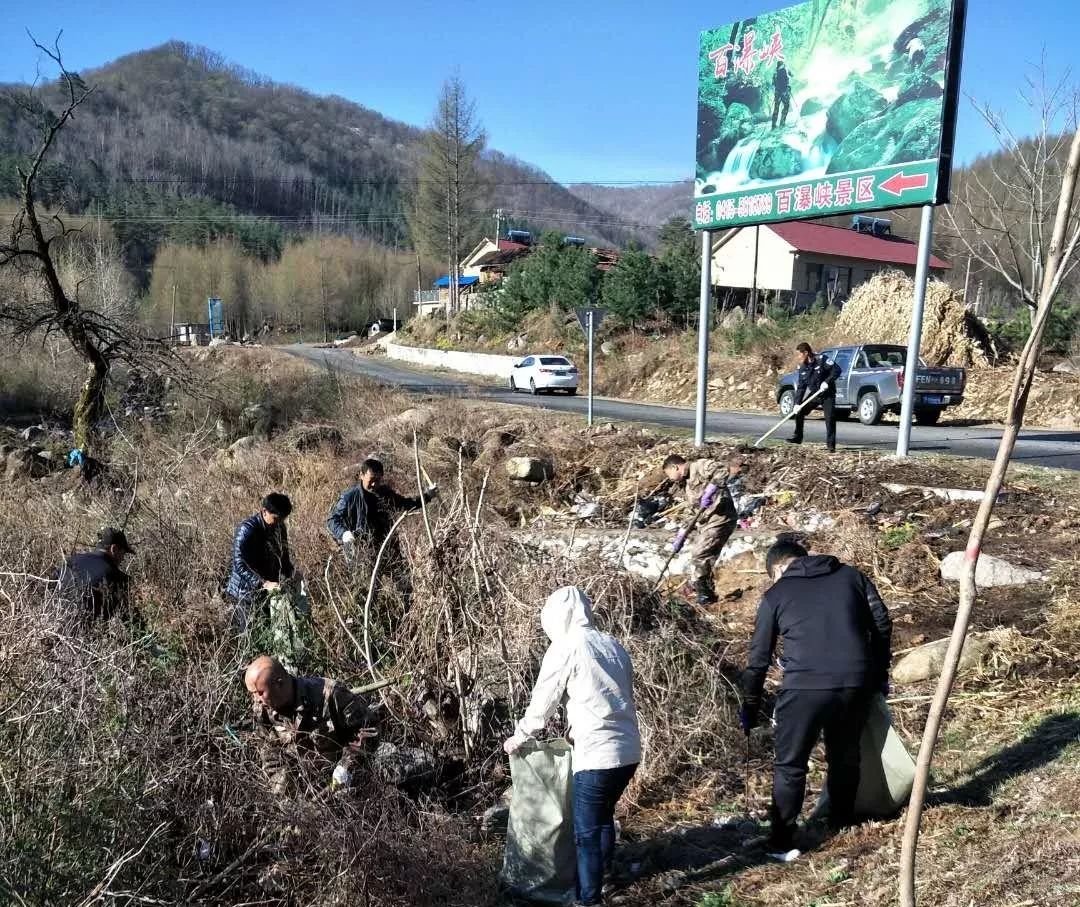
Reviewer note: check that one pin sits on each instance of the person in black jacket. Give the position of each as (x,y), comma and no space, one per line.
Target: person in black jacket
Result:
(781,95)
(94,580)
(365,512)
(816,372)
(260,553)
(837,637)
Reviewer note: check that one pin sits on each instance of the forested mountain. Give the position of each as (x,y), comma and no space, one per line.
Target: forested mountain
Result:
(648,205)
(176,144)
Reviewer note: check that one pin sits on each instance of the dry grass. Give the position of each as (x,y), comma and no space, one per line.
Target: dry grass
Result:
(119,755)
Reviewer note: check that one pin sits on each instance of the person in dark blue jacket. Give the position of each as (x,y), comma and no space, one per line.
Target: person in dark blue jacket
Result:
(260,553)
(816,372)
(365,512)
(837,637)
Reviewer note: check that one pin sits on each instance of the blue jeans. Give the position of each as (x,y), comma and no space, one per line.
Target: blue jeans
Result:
(596,792)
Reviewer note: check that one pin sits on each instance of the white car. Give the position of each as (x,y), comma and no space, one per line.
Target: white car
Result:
(544,373)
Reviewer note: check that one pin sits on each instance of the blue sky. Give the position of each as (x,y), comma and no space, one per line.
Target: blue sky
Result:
(592,90)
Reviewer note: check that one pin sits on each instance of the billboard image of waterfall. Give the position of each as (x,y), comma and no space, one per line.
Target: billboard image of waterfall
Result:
(827,107)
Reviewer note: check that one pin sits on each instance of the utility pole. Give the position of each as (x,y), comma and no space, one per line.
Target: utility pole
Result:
(172,317)
(911,365)
(498,224)
(703,337)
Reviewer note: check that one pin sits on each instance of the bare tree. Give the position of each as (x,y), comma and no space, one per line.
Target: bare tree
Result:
(1015,237)
(443,210)
(31,254)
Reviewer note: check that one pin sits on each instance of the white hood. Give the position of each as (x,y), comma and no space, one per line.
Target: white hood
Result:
(565,610)
(592,672)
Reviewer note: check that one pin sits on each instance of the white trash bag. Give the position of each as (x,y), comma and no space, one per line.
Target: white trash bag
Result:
(886,769)
(540,860)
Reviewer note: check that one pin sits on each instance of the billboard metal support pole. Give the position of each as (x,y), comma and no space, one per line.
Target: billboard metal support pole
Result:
(591,335)
(922,274)
(703,336)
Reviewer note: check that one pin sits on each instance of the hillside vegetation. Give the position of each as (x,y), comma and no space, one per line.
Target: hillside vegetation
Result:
(177,144)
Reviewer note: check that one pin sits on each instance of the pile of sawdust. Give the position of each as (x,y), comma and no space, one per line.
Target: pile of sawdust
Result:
(880,311)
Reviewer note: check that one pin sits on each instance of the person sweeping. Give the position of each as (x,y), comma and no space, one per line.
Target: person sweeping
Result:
(593,673)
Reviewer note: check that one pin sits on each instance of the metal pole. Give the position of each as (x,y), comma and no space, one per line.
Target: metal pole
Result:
(922,273)
(752,313)
(703,336)
(172,318)
(395,319)
(589,410)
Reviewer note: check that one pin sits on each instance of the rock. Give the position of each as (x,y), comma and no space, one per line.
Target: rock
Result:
(776,160)
(918,86)
(925,662)
(1068,367)
(257,418)
(859,104)
(811,106)
(607,348)
(17,465)
(32,433)
(735,317)
(530,469)
(907,133)
(316,436)
(400,764)
(517,342)
(990,571)
(218,341)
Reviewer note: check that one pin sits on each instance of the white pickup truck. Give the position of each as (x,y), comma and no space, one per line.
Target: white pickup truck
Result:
(871,384)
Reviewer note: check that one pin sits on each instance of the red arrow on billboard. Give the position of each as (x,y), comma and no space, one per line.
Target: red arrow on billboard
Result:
(899,183)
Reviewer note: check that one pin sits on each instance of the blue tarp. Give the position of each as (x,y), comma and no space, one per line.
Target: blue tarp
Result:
(444,281)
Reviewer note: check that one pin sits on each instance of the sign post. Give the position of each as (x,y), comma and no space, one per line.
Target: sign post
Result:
(704,318)
(911,364)
(589,319)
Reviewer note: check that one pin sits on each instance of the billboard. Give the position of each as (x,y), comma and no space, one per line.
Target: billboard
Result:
(827,107)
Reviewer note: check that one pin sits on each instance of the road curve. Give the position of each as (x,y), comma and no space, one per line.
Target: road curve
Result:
(1059,449)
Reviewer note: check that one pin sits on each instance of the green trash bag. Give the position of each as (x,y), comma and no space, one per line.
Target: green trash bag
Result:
(540,861)
(886,769)
(290,625)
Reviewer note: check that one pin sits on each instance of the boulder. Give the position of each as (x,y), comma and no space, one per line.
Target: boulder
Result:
(859,104)
(517,342)
(1068,367)
(316,436)
(257,418)
(906,133)
(530,469)
(925,662)
(17,465)
(990,571)
(811,106)
(776,160)
(32,433)
(607,348)
(918,86)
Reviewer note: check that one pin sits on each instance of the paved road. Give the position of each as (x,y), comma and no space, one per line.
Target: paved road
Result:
(1060,449)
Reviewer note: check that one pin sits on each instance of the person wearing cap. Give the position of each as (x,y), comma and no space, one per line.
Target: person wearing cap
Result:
(260,553)
(365,511)
(93,579)
(704,482)
(592,671)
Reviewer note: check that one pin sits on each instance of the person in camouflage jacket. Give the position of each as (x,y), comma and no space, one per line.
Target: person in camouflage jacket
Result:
(704,484)
(298,715)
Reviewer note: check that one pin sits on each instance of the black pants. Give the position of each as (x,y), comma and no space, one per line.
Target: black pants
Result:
(830,421)
(781,102)
(801,716)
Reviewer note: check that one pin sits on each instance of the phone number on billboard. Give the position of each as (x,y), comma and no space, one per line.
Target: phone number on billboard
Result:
(818,196)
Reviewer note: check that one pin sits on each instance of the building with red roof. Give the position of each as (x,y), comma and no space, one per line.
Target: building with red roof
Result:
(806,258)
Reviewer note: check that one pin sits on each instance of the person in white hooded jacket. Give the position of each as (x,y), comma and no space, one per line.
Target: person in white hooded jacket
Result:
(594,674)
